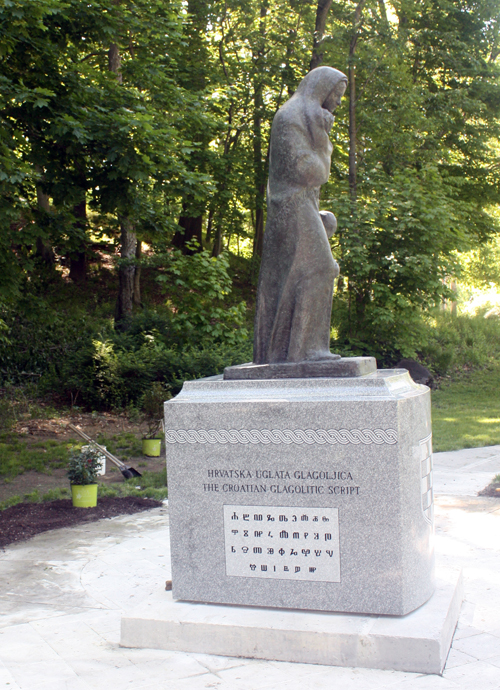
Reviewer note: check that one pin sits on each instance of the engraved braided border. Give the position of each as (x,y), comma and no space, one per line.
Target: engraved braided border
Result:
(286,436)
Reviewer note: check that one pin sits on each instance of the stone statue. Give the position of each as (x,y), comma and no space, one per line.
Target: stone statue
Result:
(294,299)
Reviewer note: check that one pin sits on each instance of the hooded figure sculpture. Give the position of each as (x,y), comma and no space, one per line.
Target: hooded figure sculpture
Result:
(294,299)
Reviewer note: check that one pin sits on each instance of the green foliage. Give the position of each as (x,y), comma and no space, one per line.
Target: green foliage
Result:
(18,456)
(198,286)
(480,267)
(152,405)
(106,377)
(181,128)
(84,466)
(72,352)
(454,344)
(426,163)
(43,332)
(78,132)
(108,370)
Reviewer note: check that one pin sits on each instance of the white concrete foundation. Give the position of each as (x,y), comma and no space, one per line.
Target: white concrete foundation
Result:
(418,642)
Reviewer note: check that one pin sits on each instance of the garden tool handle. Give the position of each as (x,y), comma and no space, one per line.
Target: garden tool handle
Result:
(104,451)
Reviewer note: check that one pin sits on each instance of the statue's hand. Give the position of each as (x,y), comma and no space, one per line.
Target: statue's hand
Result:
(329,222)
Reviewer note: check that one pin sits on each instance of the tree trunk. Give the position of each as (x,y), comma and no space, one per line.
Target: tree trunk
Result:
(127,284)
(42,199)
(44,251)
(319,31)
(217,248)
(194,79)
(357,295)
(126,273)
(137,275)
(352,135)
(208,234)
(78,259)
(115,61)
(258,241)
(258,168)
(258,163)
(357,21)
(191,230)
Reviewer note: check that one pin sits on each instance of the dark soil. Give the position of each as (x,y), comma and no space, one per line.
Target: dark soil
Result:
(492,489)
(24,520)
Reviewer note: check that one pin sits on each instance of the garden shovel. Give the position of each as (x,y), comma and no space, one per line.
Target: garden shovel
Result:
(128,472)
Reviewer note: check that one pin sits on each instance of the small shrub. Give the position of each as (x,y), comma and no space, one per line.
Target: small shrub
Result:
(152,404)
(84,466)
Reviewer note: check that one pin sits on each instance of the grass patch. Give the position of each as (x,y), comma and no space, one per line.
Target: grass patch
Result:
(18,456)
(466,412)
(150,485)
(124,445)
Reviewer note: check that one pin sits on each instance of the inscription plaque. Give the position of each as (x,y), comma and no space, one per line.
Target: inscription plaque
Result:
(282,542)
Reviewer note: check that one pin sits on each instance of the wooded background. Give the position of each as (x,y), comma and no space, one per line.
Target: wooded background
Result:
(134,144)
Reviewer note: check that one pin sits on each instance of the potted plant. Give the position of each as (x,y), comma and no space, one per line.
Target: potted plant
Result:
(83,468)
(152,406)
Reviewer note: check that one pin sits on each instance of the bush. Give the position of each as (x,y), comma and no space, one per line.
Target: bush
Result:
(387,332)
(103,376)
(84,466)
(152,405)
(198,287)
(460,343)
(73,354)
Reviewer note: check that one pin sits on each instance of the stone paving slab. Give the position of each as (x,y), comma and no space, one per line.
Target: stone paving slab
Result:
(465,472)
(63,594)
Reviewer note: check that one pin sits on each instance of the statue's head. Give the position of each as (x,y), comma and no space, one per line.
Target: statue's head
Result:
(325,86)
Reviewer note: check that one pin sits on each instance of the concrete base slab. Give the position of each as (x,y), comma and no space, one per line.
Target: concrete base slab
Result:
(418,642)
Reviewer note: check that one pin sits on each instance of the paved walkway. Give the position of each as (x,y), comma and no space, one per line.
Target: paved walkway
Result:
(63,592)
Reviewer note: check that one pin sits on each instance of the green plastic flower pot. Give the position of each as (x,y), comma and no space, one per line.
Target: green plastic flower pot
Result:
(151,447)
(84,496)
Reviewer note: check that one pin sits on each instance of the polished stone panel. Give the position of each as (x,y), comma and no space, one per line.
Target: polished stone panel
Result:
(282,542)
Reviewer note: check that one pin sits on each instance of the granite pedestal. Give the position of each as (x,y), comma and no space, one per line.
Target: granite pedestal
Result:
(308,494)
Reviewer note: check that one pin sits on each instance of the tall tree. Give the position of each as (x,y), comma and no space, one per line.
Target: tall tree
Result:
(404,197)
(128,240)
(319,32)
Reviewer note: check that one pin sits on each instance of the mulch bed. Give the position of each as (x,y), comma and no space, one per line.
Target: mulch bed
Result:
(492,489)
(24,520)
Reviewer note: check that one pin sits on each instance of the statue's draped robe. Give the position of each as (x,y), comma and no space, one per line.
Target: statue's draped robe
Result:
(295,292)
